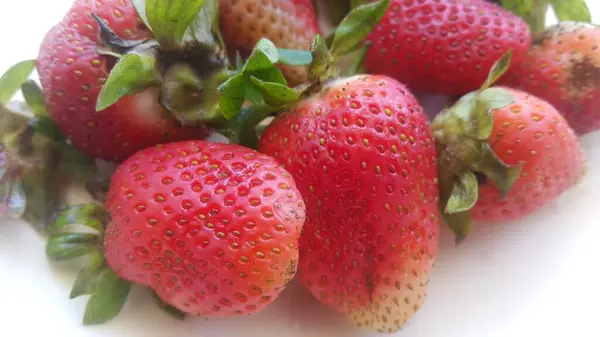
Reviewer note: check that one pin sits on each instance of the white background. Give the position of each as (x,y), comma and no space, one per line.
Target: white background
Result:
(536,277)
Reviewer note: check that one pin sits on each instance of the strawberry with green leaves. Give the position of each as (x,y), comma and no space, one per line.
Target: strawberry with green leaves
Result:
(290,24)
(563,67)
(35,159)
(114,87)
(363,156)
(212,228)
(502,154)
(444,46)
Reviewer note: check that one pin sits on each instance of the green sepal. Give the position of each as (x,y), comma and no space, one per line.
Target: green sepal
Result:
(532,11)
(13,78)
(232,96)
(107,300)
(41,191)
(46,126)
(275,93)
(34,97)
(322,67)
(294,57)
(242,129)
(89,275)
(464,193)
(201,28)
(461,224)
(75,163)
(571,10)
(92,215)
(487,101)
(499,68)
(503,175)
(169,309)
(356,26)
(131,74)
(67,246)
(261,63)
(170,19)
(140,7)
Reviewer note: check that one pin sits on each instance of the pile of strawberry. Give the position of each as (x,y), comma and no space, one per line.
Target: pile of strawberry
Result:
(340,179)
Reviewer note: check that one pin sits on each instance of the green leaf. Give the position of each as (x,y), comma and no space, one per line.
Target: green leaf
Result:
(91,215)
(140,7)
(34,98)
(67,246)
(232,96)
(572,10)
(170,19)
(464,193)
(503,175)
(498,69)
(201,28)
(47,126)
(89,276)
(75,163)
(275,93)
(131,74)
(461,224)
(356,26)
(532,11)
(321,67)
(487,101)
(108,299)
(13,78)
(261,63)
(41,191)
(295,57)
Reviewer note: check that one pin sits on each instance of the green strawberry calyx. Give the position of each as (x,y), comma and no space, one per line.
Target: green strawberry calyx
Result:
(34,154)
(108,292)
(464,155)
(185,61)
(534,11)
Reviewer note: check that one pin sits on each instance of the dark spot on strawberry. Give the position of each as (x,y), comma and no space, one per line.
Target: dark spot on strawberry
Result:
(584,76)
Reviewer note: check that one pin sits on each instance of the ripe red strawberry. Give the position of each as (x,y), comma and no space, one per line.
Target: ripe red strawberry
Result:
(212,228)
(504,157)
(363,155)
(444,46)
(563,67)
(290,24)
(72,73)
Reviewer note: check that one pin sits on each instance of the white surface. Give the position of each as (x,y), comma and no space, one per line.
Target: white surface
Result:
(537,277)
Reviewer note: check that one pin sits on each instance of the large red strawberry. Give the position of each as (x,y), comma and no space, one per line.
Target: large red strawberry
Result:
(364,158)
(212,228)
(503,154)
(290,24)
(444,46)
(73,68)
(563,67)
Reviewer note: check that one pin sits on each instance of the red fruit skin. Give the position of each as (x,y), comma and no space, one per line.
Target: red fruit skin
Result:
(290,24)
(444,46)
(563,67)
(364,158)
(533,134)
(212,228)
(72,74)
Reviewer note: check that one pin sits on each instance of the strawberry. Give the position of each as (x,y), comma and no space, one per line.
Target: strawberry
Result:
(364,158)
(289,24)
(563,67)
(76,58)
(503,154)
(444,46)
(362,153)
(212,228)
